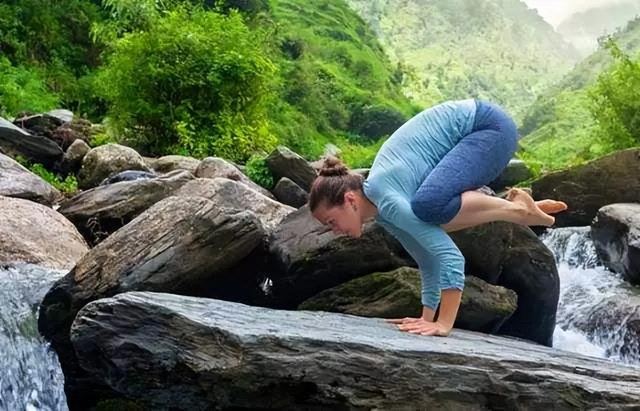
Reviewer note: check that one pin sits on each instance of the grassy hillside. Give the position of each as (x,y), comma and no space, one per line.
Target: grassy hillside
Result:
(559,129)
(495,49)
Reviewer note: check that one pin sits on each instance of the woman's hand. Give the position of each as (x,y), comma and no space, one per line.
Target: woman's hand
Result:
(421,326)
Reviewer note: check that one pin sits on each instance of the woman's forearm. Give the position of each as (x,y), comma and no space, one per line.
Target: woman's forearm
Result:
(449,304)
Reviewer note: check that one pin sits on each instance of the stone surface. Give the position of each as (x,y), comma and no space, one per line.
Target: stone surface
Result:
(128,175)
(288,192)
(103,161)
(100,211)
(587,188)
(212,167)
(196,354)
(515,172)
(17,181)
(16,141)
(285,163)
(512,256)
(616,236)
(396,294)
(72,160)
(178,245)
(307,258)
(169,163)
(234,195)
(33,233)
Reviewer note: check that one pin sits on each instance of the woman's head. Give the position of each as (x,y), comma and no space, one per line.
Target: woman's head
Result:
(336,198)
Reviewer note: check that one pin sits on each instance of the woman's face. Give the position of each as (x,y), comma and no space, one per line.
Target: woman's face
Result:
(342,219)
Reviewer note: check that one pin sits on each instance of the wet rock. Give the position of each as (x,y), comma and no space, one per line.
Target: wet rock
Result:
(197,354)
(616,236)
(16,141)
(288,192)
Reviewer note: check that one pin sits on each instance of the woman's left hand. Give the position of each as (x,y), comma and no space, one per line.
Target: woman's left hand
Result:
(422,327)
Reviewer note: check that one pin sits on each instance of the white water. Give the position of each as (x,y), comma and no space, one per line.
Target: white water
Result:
(584,286)
(30,375)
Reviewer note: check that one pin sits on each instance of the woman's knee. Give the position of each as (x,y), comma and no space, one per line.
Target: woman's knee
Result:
(435,209)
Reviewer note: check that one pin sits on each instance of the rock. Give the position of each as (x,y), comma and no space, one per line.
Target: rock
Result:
(175,246)
(587,188)
(64,116)
(289,193)
(33,233)
(17,181)
(198,354)
(15,141)
(234,195)
(212,167)
(307,258)
(515,172)
(285,163)
(396,294)
(104,161)
(616,236)
(166,164)
(102,210)
(72,159)
(512,256)
(127,175)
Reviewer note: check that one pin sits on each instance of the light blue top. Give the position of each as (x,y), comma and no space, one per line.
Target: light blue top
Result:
(399,168)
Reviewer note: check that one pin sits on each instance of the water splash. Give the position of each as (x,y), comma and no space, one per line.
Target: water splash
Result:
(596,308)
(31,378)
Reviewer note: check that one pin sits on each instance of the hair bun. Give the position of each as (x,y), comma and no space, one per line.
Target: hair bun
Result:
(333,167)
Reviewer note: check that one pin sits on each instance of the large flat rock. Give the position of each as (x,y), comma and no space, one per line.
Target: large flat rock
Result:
(193,353)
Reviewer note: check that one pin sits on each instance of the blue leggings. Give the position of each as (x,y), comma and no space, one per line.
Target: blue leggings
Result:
(476,160)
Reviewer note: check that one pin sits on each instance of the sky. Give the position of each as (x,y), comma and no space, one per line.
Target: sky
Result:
(554,11)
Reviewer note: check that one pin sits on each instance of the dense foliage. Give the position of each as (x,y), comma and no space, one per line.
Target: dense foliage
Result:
(453,49)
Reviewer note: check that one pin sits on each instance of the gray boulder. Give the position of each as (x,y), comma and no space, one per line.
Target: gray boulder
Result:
(288,192)
(512,256)
(104,161)
(587,188)
(234,195)
(33,233)
(173,352)
(212,167)
(307,258)
(515,172)
(169,163)
(72,160)
(616,236)
(17,181)
(102,210)
(16,141)
(396,294)
(285,163)
(177,246)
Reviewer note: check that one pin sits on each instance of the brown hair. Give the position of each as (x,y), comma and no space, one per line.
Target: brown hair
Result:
(333,181)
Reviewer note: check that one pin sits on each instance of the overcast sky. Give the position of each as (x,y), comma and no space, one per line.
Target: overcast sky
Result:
(554,11)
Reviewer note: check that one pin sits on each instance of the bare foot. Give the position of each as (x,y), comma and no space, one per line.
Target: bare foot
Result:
(534,215)
(551,206)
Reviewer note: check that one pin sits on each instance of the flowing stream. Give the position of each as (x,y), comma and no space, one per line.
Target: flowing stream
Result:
(30,375)
(598,312)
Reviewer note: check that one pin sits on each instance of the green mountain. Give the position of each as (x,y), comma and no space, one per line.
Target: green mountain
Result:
(494,49)
(559,129)
(583,29)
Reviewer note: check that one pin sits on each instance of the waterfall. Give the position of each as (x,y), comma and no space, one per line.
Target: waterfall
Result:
(31,378)
(596,306)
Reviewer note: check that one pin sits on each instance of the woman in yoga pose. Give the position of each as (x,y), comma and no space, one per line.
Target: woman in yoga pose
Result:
(421,185)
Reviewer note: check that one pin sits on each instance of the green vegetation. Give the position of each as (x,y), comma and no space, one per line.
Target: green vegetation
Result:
(560,128)
(67,185)
(497,50)
(257,170)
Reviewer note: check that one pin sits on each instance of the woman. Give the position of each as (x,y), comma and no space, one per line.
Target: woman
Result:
(422,184)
